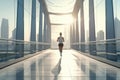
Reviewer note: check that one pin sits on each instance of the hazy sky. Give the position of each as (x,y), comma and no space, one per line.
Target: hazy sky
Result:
(8,11)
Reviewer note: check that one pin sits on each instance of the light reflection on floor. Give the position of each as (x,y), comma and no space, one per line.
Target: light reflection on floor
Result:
(50,66)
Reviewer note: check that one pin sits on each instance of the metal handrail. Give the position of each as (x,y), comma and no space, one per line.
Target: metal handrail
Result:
(21,41)
(96,42)
(14,49)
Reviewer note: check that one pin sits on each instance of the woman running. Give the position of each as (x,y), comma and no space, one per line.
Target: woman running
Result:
(60,39)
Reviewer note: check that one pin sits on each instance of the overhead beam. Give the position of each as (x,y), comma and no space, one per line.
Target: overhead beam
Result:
(52,13)
(77,6)
(57,24)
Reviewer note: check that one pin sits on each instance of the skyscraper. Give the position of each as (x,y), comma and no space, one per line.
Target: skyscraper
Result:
(4,28)
(100,35)
(14,34)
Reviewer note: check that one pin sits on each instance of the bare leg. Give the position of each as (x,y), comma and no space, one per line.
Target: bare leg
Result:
(60,49)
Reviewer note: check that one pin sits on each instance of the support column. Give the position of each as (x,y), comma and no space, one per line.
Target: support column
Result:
(71,36)
(92,46)
(50,34)
(40,38)
(20,28)
(45,29)
(74,36)
(48,37)
(110,31)
(33,27)
(82,28)
(77,33)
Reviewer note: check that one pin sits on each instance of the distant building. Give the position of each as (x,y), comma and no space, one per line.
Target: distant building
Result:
(117,28)
(14,34)
(100,35)
(37,37)
(87,36)
(4,28)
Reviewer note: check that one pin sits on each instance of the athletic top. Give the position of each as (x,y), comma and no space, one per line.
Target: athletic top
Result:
(60,39)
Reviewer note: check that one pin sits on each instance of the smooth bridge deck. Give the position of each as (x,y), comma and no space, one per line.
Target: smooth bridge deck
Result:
(48,65)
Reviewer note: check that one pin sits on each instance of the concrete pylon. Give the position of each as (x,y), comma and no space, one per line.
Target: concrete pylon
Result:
(92,46)
(40,37)
(33,27)
(82,28)
(20,28)
(110,31)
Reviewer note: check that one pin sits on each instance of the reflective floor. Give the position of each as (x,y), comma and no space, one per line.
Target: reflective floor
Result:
(50,66)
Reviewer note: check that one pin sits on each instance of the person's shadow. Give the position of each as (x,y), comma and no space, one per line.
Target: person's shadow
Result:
(56,70)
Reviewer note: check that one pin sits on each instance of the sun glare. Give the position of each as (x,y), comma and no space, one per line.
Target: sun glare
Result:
(68,19)
(62,19)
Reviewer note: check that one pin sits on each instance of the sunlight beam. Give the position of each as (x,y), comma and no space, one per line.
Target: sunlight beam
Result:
(61,19)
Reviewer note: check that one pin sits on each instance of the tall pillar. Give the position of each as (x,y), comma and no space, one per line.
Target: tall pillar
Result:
(77,33)
(48,34)
(20,28)
(45,29)
(92,46)
(33,26)
(40,37)
(71,36)
(82,28)
(74,35)
(48,37)
(110,31)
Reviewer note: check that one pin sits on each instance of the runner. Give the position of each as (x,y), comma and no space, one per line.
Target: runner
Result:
(60,39)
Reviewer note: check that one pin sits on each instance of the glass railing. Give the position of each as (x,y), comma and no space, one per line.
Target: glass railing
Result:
(13,49)
(109,49)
